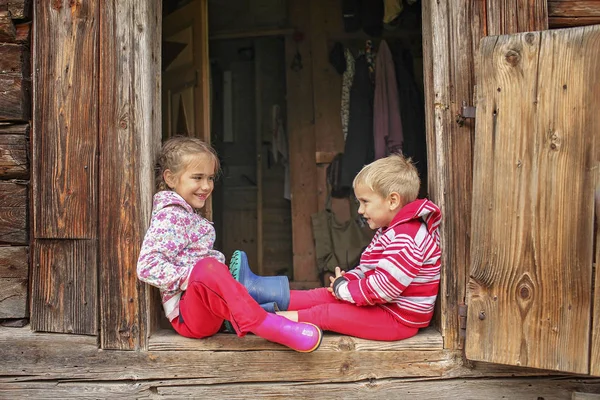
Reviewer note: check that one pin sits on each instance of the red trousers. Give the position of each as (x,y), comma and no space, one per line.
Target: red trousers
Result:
(319,307)
(212,296)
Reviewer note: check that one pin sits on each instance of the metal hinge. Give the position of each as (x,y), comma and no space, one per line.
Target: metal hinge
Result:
(462,320)
(466,112)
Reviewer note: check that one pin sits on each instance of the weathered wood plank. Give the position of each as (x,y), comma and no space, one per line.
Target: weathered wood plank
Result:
(64,286)
(166,340)
(301,133)
(7,28)
(504,17)
(532,261)
(567,22)
(585,396)
(19,9)
(508,388)
(14,60)
(327,83)
(14,269)
(129,137)
(15,98)
(579,8)
(14,150)
(13,213)
(65,120)
(595,334)
(30,356)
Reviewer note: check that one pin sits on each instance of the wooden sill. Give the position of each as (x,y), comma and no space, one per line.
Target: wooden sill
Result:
(427,339)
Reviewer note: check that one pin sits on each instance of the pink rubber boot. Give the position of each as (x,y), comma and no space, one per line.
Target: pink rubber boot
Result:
(300,336)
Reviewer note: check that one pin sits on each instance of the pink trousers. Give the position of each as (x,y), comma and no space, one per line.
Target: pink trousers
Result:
(212,296)
(319,307)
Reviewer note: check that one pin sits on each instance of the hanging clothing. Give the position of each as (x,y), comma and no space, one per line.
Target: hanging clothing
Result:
(347,79)
(391,10)
(280,147)
(387,124)
(412,112)
(358,150)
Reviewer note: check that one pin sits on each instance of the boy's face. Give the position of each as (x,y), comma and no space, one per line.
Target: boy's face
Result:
(379,211)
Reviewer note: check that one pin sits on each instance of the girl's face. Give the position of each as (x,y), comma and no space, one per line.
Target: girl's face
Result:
(195,182)
(379,211)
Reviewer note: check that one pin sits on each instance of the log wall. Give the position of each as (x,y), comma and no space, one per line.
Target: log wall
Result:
(15,111)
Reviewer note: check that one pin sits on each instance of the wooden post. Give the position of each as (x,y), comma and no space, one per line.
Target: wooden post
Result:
(301,133)
(130,122)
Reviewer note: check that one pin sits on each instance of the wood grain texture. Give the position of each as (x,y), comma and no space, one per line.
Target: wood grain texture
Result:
(129,139)
(504,17)
(19,9)
(569,13)
(13,213)
(595,334)
(14,60)
(30,357)
(451,33)
(14,151)
(7,27)
(534,183)
(167,340)
(414,388)
(64,286)
(301,134)
(325,20)
(65,120)
(15,98)
(14,273)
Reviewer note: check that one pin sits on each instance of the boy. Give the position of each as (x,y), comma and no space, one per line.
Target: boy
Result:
(392,292)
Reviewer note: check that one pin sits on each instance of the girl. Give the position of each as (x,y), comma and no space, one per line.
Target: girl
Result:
(198,292)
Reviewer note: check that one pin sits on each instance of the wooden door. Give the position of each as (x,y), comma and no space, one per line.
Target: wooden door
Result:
(536,168)
(185,74)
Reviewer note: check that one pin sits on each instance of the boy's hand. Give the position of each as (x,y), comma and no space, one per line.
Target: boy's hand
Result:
(338,273)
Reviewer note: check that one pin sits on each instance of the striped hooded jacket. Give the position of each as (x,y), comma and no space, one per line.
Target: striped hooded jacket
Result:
(400,269)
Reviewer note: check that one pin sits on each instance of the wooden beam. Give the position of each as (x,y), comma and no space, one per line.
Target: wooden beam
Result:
(13,213)
(18,9)
(167,340)
(414,388)
(129,139)
(14,274)
(223,35)
(15,98)
(14,151)
(64,286)
(301,133)
(14,60)
(7,28)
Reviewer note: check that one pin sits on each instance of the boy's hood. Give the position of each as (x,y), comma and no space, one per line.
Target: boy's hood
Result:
(420,209)
(166,198)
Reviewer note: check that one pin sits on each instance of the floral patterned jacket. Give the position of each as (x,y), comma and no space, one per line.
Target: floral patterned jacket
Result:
(176,240)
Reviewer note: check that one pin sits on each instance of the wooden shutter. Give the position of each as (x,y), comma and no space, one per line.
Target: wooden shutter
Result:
(536,168)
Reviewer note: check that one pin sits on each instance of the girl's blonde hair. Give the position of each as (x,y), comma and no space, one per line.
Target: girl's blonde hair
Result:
(175,153)
(394,173)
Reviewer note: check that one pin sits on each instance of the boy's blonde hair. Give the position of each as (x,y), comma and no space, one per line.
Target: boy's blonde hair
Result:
(394,173)
(175,156)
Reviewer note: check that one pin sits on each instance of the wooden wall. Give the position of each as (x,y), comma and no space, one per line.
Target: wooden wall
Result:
(566,13)
(15,111)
